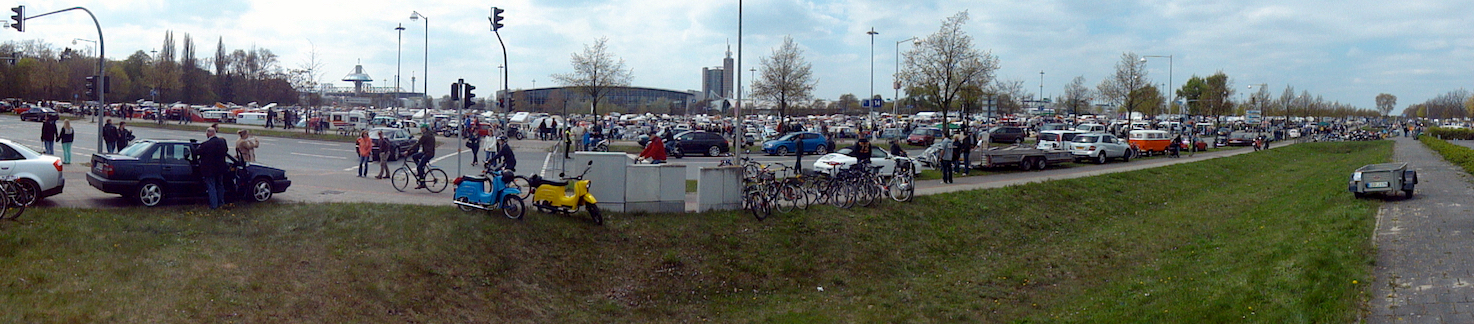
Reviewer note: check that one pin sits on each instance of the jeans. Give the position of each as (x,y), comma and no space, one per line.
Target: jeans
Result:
(363,163)
(50,147)
(215,191)
(111,146)
(946,171)
(421,159)
(66,152)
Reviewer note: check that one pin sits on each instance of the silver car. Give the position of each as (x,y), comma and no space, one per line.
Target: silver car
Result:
(37,172)
(1100,148)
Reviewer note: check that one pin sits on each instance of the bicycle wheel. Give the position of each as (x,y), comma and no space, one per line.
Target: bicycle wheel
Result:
(752,200)
(865,192)
(15,197)
(902,188)
(436,180)
(5,206)
(796,193)
(842,194)
(782,198)
(401,179)
(520,182)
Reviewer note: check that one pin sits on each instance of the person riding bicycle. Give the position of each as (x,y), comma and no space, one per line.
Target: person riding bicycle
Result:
(426,151)
(504,156)
(896,148)
(655,151)
(861,152)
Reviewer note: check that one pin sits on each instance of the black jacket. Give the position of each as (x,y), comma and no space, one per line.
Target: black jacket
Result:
(66,136)
(211,155)
(48,131)
(426,144)
(110,133)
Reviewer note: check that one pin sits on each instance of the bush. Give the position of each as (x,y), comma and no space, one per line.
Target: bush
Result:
(1453,153)
(1452,133)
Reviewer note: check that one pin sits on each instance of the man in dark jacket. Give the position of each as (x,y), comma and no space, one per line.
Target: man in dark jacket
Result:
(124,135)
(861,152)
(48,135)
(504,155)
(211,156)
(110,136)
(426,147)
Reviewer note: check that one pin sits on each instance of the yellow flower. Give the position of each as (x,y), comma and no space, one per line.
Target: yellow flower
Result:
(1353,281)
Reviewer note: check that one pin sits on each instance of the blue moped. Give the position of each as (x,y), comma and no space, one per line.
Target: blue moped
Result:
(471,194)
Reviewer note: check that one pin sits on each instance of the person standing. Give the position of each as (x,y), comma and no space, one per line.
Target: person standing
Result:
(964,150)
(67,134)
(245,147)
(386,150)
(48,135)
(946,158)
(125,136)
(365,148)
(211,156)
(473,142)
(110,136)
(270,118)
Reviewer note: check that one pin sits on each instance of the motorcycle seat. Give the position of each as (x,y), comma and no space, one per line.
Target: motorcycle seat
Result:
(476,178)
(538,181)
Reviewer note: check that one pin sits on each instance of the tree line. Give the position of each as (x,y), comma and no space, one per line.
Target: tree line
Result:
(41,71)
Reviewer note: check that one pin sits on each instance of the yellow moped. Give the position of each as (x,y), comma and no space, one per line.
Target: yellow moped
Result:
(552,196)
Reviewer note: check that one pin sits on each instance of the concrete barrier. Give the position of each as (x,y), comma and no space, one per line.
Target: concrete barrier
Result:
(622,186)
(719,188)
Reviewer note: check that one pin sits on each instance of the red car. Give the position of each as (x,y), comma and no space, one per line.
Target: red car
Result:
(923,136)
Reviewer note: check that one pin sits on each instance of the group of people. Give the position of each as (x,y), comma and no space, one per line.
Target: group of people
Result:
(498,151)
(50,134)
(115,138)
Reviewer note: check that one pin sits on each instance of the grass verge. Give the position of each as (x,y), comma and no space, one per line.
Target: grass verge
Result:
(1453,153)
(1260,237)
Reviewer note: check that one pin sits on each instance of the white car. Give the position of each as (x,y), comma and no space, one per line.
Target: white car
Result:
(35,171)
(878,157)
(1100,148)
(1056,139)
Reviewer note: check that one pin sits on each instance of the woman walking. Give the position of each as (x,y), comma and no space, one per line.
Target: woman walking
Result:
(67,135)
(365,146)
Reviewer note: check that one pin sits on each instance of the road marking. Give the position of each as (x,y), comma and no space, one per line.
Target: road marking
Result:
(320,156)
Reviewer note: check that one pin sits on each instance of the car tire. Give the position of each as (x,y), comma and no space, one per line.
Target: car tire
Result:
(32,192)
(780,151)
(821,150)
(675,151)
(261,190)
(1026,165)
(1020,141)
(1101,159)
(713,151)
(149,193)
(1127,157)
(1040,164)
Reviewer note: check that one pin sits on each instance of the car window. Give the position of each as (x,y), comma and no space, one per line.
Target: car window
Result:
(176,153)
(1048,137)
(9,154)
(875,153)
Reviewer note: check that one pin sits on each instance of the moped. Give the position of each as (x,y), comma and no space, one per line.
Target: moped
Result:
(552,196)
(471,194)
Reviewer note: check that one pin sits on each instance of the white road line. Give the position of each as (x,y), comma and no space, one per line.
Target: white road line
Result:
(320,156)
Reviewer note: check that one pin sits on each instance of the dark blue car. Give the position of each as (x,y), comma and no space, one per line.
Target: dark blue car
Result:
(812,143)
(150,171)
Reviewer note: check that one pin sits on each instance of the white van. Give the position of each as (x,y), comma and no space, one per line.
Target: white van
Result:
(1091,128)
(251,118)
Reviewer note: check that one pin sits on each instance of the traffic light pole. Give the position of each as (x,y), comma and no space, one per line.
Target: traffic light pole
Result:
(101,62)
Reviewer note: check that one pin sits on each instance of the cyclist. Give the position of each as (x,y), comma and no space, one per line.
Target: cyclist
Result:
(504,156)
(426,147)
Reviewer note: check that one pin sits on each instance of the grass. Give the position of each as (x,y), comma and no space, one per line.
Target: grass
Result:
(1453,153)
(690,185)
(1260,237)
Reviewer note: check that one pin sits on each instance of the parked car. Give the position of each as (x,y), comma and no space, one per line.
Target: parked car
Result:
(1007,134)
(1240,139)
(1056,139)
(39,114)
(1100,148)
(923,136)
(1091,128)
(814,143)
(36,172)
(704,142)
(878,157)
(151,171)
(397,136)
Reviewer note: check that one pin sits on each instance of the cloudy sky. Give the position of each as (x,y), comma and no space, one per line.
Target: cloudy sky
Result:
(1347,51)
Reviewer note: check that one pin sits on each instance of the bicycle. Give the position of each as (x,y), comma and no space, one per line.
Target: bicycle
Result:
(13,198)
(434,180)
(902,186)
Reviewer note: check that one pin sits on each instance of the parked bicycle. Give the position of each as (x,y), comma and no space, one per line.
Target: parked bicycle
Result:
(434,180)
(14,197)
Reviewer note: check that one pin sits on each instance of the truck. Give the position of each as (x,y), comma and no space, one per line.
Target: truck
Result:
(1025,158)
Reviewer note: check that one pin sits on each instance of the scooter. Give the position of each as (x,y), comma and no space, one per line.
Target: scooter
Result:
(602,145)
(471,194)
(551,196)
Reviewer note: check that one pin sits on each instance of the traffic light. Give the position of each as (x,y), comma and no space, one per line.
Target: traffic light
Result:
(20,18)
(455,90)
(92,88)
(468,96)
(496,18)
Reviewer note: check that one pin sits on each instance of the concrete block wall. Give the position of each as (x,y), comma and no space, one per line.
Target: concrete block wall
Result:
(719,188)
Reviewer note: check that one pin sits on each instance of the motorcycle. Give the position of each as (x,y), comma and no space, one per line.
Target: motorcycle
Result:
(601,146)
(471,194)
(551,196)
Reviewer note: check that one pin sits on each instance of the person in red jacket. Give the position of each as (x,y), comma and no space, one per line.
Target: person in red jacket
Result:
(655,151)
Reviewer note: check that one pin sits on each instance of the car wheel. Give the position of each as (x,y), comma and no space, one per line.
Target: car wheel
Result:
(1101,159)
(1040,164)
(261,190)
(150,193)
(713,151)
(1127,157)
(1026,165)
(1020,141)
(30,192)
(781,151)
(821,150)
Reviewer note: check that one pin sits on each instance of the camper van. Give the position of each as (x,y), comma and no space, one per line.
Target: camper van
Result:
(356,119)
(251,118)
(217,116)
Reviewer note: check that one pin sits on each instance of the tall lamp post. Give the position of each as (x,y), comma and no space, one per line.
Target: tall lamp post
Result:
(896,79)
(416,15)
(1041,90)
(1169,74)
(870,116)
(94,43)
(398,57)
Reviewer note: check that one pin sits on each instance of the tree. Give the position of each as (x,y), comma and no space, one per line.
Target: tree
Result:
(1010,95)
(787,79)
(1191,93)
(1130,76)
(1216,94)
(595,71)
(1385,103)
(1148,100)
(945,62)
(1076,95)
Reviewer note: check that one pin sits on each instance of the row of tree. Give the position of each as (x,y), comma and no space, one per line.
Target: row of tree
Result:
(170,74)
(1453,104)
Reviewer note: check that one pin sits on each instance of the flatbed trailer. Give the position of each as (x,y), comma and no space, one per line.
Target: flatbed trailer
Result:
(1025,158)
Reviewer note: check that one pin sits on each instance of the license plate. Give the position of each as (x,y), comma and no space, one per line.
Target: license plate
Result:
(1382,184)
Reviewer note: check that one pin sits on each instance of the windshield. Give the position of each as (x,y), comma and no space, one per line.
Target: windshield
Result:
(1048,137)
(788,137)
(1087,139)
(136,150)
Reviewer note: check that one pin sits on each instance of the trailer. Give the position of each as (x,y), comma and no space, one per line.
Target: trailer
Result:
(1025,158)
(1385,178)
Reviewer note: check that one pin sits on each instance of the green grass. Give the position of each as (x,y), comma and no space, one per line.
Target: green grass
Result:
(690,185)
(1453,153)
(1261,237)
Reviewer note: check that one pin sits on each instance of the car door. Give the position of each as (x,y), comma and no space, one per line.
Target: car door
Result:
(175,167)
(8,159)
(879,157)
(1115,147)
(811,142)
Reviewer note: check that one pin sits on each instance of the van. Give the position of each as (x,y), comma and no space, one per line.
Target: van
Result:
(251,118)
(1091,128)
(1149,141)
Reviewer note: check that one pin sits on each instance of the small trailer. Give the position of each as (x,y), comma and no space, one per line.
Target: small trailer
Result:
(1025,158)
(1386,178)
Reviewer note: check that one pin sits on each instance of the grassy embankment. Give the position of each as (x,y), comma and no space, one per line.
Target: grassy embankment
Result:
(1458,155)
(1261,237)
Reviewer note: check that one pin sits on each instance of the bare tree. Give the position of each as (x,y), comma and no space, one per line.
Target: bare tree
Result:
(787,79)
(1010,95)
(1076,95)
(595,71)
(944,63)
(1385,103)
(1130,76)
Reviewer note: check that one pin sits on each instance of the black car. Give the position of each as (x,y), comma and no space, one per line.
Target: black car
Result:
(39,114)
(398,137)
(150,171)
(706,143)
(1007,134)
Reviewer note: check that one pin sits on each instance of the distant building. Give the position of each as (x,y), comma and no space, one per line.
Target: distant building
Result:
(623,99)
(716,82)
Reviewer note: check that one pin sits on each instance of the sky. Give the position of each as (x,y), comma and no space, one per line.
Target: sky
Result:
(1346,51)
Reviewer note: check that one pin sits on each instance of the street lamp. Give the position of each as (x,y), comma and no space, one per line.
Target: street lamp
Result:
(872,78)
(506,104)
(896,78)
(89,50)
(416,15)
(1169,72)
(398,57)
(1041,90)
